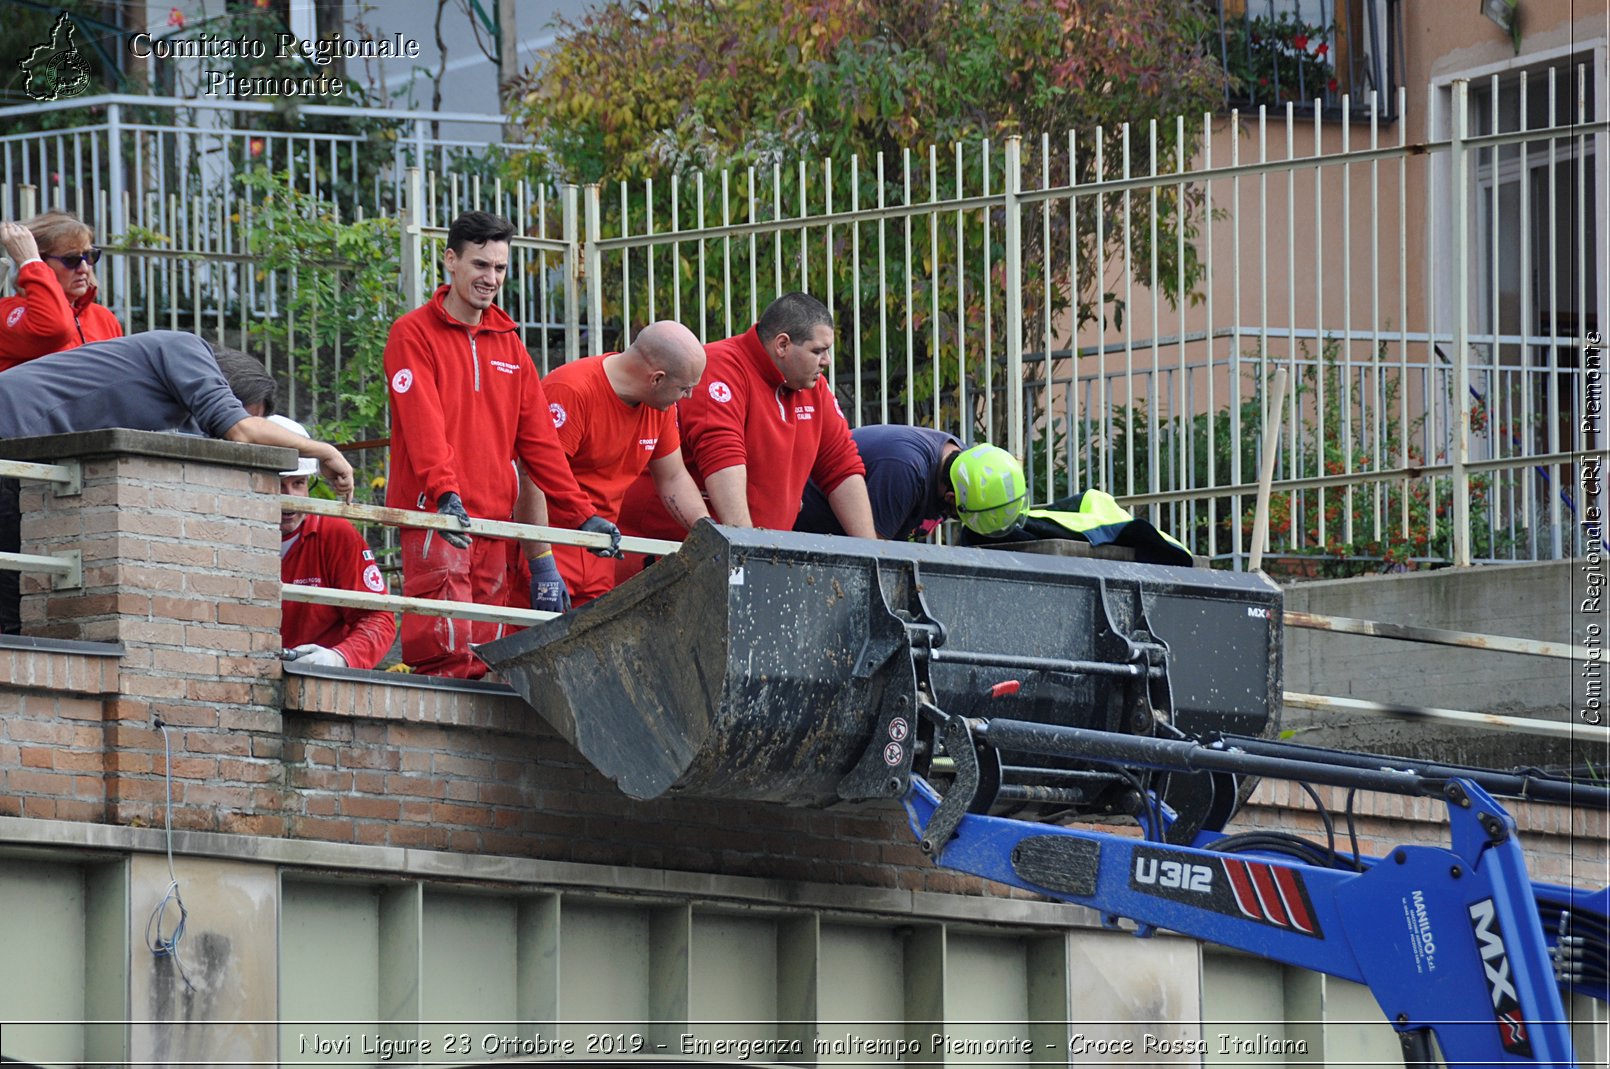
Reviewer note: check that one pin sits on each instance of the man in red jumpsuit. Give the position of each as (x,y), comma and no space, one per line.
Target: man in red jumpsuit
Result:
(465,405)
(327,551)
(762,422)
(616,418)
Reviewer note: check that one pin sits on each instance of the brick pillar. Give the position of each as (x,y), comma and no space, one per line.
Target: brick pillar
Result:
(180,544)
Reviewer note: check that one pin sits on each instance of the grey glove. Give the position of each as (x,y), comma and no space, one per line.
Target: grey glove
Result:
(450,504)
(599,525)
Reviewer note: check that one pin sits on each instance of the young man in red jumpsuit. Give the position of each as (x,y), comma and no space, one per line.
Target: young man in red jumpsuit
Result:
(616,418)
(327,551)
(465,405)
(762,422)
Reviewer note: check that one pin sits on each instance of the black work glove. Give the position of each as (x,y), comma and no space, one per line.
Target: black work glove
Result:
(599,525)
(548,591)
(450,504)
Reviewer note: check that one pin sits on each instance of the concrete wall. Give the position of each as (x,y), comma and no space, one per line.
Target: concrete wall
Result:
(1536,601)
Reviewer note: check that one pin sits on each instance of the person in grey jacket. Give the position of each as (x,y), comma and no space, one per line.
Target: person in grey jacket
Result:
(161,380)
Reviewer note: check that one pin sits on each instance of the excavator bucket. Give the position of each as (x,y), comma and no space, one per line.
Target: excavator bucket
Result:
(807,670)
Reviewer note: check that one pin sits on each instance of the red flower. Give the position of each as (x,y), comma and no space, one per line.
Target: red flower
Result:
(1321,51)
(1263,81)
(1331,85)
(256,147)
(1300,42)
(175,17)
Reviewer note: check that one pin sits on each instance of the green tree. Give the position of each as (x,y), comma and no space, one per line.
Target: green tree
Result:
(336,312)
(665,90)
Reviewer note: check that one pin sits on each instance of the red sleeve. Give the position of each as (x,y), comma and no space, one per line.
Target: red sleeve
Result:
(537,445)
(349,565)
(416,410)
(569,416)
(837,458)
(670,436)
(38,321)
(713,421)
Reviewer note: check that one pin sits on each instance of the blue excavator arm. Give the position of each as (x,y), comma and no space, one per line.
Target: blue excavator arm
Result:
(1450,940)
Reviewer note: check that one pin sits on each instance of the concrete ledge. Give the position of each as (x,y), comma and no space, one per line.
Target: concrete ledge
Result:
(61,645)
(26,836)
(354,693)
(119,441)
(77,669)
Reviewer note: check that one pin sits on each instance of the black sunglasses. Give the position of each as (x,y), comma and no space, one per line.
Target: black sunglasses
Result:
(73,259)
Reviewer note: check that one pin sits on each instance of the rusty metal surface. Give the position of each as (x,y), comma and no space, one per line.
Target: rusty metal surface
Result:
(758,665)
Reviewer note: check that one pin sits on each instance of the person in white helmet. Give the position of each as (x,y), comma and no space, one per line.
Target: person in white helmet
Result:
(327,551)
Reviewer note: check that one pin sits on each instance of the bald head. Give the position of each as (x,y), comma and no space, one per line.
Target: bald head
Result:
(661,366)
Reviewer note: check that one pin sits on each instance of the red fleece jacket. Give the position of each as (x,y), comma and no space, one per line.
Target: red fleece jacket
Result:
(40,320)
(741,413)
(465,402)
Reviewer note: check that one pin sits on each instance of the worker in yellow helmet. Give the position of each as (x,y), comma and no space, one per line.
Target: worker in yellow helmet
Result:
(991,495)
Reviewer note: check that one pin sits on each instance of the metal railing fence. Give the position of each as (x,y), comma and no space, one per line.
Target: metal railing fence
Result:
(978,292)
(1110,305)
(66,569)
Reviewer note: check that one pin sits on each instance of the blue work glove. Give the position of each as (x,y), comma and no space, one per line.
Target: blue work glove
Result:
(548,591)
(450,504)
(599,525)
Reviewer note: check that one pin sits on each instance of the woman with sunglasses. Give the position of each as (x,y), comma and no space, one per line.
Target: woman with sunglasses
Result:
(54,308)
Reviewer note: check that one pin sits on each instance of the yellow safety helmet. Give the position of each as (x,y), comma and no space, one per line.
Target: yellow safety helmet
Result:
(991,493)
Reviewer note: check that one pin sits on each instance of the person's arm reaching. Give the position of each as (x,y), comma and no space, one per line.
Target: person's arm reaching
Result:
(531,507)
(254,430)
(729,495)
(678,490)
(838,469)
(850,504)
(713,442)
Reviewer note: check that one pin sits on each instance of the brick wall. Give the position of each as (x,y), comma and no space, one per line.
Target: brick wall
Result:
(451,769)
(180,549)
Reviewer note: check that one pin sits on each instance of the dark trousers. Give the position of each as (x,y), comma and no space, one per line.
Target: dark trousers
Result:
(10,542)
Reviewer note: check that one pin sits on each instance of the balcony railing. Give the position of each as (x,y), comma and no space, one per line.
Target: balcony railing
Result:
(1325,54)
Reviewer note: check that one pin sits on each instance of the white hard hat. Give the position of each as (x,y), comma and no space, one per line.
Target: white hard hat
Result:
(304,465)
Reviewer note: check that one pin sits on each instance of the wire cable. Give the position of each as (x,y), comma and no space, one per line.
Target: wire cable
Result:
(1352,828)
(1273,842)
(160,945)
(1324,817)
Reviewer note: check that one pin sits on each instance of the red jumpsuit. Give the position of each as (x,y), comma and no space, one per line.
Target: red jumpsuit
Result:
(609,443)
(741,413)
(465,403)
(329,552)
(40,320)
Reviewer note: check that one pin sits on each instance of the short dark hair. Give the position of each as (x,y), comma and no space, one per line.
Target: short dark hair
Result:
(477,228)
(795,314)
(248,380)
